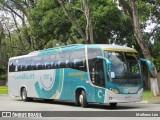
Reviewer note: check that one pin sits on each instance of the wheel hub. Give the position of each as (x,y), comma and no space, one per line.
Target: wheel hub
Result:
(81,99)
(24,95)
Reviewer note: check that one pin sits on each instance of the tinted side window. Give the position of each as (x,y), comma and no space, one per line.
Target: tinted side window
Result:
(49,61)
(62,59)
(20,64)
(12,65)
(99,74)
(77,59)
(92,54)
(28,64)
(37,63)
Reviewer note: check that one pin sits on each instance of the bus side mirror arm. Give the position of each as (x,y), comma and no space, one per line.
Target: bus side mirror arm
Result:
(148,62)
(108,62)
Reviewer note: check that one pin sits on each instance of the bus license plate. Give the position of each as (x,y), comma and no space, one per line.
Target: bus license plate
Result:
(127,97)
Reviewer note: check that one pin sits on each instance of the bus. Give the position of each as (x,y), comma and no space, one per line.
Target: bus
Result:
(83,73)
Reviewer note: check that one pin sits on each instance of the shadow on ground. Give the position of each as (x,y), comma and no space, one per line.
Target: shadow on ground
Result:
(120,106)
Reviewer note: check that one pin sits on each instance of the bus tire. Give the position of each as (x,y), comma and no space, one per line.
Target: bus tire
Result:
(77,100)
(24,95)
(83,99)
(113,105)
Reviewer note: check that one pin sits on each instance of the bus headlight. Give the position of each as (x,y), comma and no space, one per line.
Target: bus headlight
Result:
(114,90)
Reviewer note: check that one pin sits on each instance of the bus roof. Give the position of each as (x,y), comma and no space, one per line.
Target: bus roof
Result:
(110,47)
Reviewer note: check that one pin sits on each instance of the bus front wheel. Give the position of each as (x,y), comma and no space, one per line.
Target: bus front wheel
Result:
(24,94)
(82,99)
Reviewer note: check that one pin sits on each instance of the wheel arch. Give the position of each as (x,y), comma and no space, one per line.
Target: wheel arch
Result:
(78,91)
(80,88)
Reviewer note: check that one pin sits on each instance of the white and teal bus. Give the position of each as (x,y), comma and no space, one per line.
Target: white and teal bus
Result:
(108,74)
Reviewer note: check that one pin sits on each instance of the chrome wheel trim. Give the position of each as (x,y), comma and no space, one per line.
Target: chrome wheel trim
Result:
(24,95)
(81,99)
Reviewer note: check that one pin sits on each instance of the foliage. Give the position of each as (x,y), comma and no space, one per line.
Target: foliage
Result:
(42,24)
(48,22)
(2,72)
(156,54)
(110,25)
(3,90)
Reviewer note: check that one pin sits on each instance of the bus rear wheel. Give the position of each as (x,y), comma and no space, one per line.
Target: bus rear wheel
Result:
(83,99)
(24,95)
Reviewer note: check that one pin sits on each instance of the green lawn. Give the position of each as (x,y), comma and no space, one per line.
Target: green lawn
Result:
(3,90)
(147,95)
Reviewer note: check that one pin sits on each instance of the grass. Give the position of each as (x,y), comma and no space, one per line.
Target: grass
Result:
(3,90)
(147,95)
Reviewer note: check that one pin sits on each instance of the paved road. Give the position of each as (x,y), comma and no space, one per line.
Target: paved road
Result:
(15,104)
(8,103)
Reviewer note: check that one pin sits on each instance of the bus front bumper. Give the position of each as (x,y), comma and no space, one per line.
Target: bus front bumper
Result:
(111,97)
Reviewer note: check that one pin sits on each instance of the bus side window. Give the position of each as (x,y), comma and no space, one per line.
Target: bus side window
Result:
(71,64)
(20,64)
(19,67)
(67,64)
(92,54)
(33,64)
(47,65)
(53,65)
(61,64)
(99,73)
(61,59)
(39,62)
(78,63)
(49,61)
(12,66)
(39,66)
(23,65)
(77,60)
(28,64)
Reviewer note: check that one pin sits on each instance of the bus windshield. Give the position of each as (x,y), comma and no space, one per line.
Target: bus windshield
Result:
(125,67)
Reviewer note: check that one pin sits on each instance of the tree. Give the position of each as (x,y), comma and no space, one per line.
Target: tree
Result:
(74,23)
(47,21)
(132,10)
(104,26)
(1,36)
(19,10)
(89,30)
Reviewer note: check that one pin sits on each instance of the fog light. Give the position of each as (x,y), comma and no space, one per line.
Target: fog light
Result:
(110,98)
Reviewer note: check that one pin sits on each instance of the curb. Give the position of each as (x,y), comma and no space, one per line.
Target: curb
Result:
(150,102)
(154,102)
(3,94)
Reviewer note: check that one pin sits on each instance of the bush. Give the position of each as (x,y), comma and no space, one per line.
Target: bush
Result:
(156,61)
(3,72)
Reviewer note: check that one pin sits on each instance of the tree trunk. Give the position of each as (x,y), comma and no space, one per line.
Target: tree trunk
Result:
(1,36)
(144,48)
(89,27)
(74,23)
(19,33)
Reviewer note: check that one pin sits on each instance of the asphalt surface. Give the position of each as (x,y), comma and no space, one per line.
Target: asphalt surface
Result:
(8,103)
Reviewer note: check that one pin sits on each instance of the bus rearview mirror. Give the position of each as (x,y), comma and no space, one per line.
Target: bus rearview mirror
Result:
(108,62)
(148,62)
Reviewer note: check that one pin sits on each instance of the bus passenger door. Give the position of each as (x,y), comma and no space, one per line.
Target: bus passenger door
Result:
(99,81)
